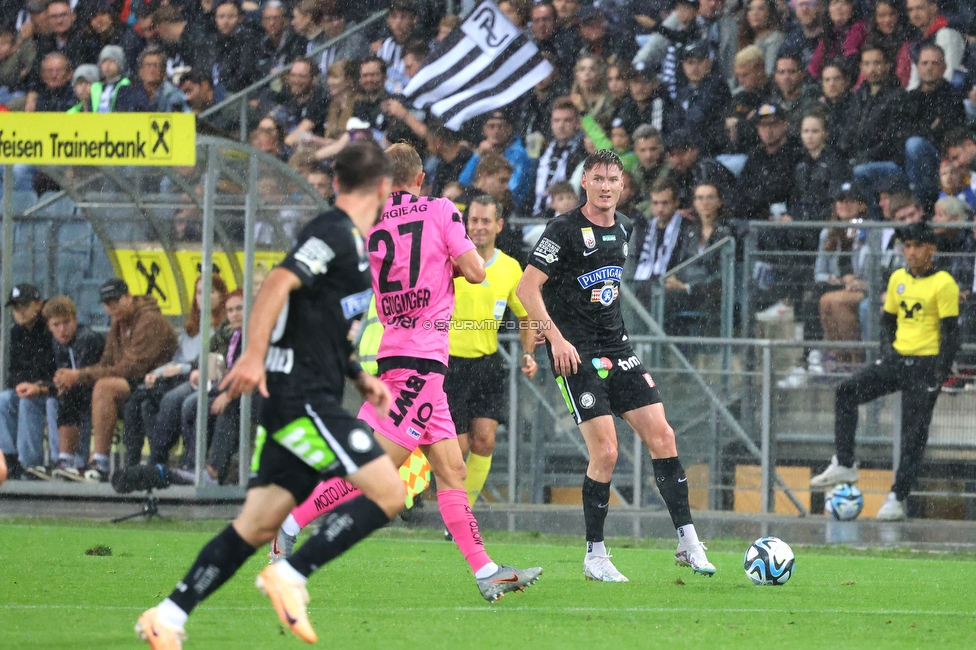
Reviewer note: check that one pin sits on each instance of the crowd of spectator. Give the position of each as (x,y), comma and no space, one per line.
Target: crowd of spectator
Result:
(724,112)
(70,386)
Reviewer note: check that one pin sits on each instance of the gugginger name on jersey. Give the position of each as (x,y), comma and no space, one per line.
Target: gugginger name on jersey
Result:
(403,210)
(601,274)
(399,303)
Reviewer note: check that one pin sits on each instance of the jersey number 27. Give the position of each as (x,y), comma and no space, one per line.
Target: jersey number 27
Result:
(413,228)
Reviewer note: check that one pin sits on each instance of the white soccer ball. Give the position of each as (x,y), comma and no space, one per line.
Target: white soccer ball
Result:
(769,561)
(844,502)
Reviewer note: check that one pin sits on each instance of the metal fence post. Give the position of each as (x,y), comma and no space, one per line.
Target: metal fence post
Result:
(766,484)
(206,278)
(6,267)
(250,216)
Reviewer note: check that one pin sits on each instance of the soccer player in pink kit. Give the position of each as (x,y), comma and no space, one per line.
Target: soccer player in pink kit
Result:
(415,250)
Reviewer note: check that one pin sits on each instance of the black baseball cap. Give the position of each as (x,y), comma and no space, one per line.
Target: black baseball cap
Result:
(112,290)
(918,232)
(646,71)
(770,110)
(697,50)
(849,192)
(23,294)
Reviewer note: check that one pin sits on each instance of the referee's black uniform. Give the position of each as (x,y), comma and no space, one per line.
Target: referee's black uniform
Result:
(919,341)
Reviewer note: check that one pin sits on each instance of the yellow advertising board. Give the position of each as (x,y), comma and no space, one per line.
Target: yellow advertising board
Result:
(148,272)
(98,139)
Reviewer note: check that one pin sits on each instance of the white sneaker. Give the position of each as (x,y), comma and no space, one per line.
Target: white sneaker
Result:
(777,312)
(892,509)
(796,379)
(693,555)
(600,568)
(815,363)
(834,474)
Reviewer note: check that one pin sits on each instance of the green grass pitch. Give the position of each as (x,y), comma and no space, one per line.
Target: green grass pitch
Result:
(410,589)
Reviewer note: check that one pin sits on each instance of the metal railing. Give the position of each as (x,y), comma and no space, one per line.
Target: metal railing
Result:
(242,97)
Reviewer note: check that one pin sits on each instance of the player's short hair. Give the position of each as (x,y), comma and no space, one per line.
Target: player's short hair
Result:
(60,307)
(492,164)
(664,185)
(602,157)
(406,163)
(902,200)
(362,165)
(488,199)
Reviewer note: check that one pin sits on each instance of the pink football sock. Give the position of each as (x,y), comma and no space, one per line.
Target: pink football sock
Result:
(326,497)
(463,526)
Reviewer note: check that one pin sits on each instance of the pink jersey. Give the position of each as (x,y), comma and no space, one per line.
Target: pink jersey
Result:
(410,251)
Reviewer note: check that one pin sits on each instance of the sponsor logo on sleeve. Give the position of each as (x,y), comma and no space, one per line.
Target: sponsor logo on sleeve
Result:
(315,255)
(629,363)
(547,250)
(649,380)
(609,238)
(589,239)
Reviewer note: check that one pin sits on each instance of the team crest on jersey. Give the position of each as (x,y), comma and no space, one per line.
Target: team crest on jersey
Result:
(900,290)
(589,239)
(605,295)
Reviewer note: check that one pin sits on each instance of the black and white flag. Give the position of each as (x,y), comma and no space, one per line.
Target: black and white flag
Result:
(485,63)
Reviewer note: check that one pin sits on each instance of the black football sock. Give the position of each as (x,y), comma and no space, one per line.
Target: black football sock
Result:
(596,503)
(217,562)
(673,485)
(342,528)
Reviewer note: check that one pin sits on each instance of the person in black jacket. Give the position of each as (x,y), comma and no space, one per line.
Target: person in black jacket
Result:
(280,44)
(689,169)
(24,404)
(875,140)
(75,346)
(702,101)
(933,109)
(235,54)
(767,177)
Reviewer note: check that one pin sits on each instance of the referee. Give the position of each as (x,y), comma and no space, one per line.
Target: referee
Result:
(919,341)
(475,383)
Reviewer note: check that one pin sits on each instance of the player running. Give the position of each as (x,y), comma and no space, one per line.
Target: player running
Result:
(415,249)
(303,311)
(572,284)
(475,383)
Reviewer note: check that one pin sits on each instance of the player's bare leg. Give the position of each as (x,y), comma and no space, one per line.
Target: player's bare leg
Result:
(600,436)
(652,426)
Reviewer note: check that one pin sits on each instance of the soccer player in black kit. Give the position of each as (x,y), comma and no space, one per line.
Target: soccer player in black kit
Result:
(298,357)
(572,284)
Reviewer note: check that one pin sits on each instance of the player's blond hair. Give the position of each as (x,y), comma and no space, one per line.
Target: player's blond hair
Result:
(406,163)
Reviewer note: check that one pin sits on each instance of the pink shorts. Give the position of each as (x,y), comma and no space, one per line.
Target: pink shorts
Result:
(419,414)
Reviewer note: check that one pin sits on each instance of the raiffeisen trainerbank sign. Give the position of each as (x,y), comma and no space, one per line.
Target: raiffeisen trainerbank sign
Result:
(98,139)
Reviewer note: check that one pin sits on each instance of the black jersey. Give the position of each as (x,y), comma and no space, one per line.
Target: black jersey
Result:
(310,347)
(584,263)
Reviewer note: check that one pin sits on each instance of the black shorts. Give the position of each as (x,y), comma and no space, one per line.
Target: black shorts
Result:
(303,442)
(74,406)
(608,384)
(476,388)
